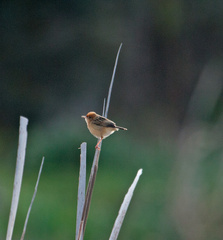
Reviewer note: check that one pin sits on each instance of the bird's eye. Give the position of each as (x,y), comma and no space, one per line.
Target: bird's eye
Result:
(89,117)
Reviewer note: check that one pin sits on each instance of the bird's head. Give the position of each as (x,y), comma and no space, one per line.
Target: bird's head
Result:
(90,116)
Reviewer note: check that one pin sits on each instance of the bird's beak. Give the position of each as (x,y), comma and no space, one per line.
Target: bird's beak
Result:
(83,116)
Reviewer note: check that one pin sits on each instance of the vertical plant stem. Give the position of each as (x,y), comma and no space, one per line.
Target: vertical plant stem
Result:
(81,187)
(88,198)
(94,168)
(90,190)
(112,81)
(103,111)
(18,175)
(33,198)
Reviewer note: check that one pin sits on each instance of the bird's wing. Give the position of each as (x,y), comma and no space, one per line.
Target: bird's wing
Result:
(102,121)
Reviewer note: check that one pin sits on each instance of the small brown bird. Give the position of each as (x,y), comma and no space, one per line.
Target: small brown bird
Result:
(100,127)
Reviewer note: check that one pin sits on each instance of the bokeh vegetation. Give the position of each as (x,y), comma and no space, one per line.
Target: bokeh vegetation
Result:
(56,64)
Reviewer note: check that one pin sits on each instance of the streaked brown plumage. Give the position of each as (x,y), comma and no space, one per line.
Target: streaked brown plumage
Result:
(99,126)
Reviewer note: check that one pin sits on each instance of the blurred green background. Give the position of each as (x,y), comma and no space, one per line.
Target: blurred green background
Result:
(56,63)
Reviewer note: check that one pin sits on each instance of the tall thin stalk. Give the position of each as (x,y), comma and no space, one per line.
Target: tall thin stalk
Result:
(33,198)
(81,187)
(18,175)
(94,168)
(124,207)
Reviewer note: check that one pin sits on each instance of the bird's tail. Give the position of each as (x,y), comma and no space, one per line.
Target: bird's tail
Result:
(121,128)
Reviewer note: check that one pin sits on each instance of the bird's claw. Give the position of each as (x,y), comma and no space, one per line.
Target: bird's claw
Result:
(97,147)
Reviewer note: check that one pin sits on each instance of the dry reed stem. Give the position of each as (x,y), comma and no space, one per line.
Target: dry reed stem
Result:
(33,198)
(124,207)
(18,175)
(94,167)
(81,186)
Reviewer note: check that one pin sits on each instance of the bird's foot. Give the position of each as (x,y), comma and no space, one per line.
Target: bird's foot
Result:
(97,147)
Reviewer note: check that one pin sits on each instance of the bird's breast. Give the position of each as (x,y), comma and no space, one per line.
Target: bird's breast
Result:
(95,130)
